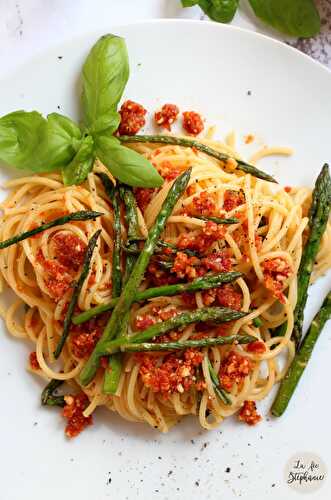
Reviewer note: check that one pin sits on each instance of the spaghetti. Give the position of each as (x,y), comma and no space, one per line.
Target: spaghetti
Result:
(158,388)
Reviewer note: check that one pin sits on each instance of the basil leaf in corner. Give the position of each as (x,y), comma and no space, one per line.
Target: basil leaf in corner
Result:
(77,170)
(189,3)
(298,18)
(126,165)
(105,74)
(222,11)
(29,141)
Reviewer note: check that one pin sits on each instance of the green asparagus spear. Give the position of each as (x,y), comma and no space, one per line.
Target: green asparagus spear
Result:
(219,391)
(47,396)
(217,220)
(114,196)
(113,373)
(75,216)
(133,232)
(129,291)
(165,244)
(301,359)
(108,346)
(212,314)
(203,283)
(77,286)
(131,214)
(176,346)
(318,218)
(113,193)
(191,143)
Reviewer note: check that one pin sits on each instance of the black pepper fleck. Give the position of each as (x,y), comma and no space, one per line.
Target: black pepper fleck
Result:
(228,470)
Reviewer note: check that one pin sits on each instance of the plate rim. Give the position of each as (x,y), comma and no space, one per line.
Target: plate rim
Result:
(164,21)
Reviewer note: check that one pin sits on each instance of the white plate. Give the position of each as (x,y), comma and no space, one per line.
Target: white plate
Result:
(208,68)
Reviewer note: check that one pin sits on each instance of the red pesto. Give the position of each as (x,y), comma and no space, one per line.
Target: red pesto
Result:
(227,296)
(175,374)
(275,272)
(145,321)
(219,262)
(73,412)
(156,315)
(184,266)
(143,197)
(202,204)
(167,171)
(234,369)
(224,296)
(189,267)
(166,116)
(33,361)
(192,122)
(84,337)
(248,413)
(58,279)
(69,249)
(257,347)
(132,118)
(168,337)
(158,276)
(69,252)
(210,233)
(224,330)
(82,344)
(233,199)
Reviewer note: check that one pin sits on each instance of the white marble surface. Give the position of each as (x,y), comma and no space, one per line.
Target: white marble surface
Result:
(28,27)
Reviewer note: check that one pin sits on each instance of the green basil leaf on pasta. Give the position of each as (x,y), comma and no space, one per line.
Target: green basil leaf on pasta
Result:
(126,165)
(109,122)
(221,11)
(81,165)
(105,74)
(31,142)
(298,18)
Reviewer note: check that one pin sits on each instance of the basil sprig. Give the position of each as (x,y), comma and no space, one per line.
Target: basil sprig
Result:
(105,75)
(298,18)
(28,141)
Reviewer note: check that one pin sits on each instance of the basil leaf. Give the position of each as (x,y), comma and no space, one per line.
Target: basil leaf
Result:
(126,165)
(221,11)
(298,18)
(81,165)
(109,123)
(189,3)
(31,142)
(105,74)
